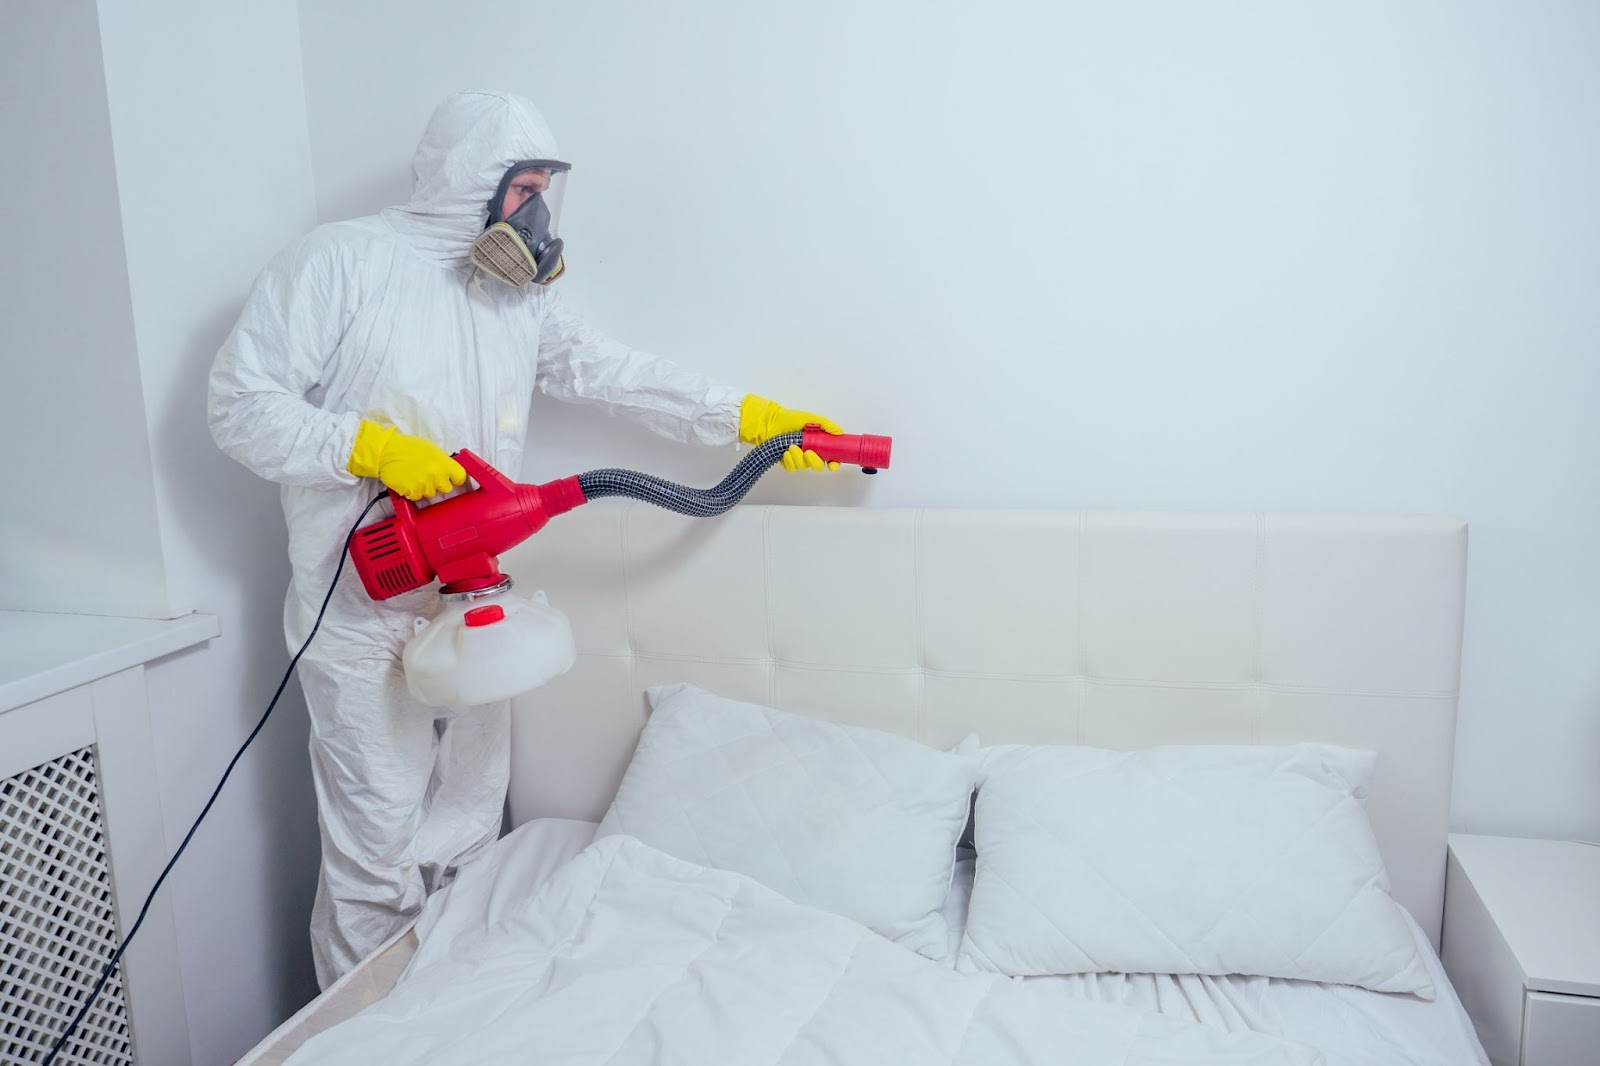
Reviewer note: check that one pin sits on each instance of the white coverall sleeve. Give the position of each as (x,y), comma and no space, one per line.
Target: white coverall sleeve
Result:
(579,364)
(288,331)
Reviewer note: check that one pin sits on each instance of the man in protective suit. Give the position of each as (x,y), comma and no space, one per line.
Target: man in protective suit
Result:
(370,349)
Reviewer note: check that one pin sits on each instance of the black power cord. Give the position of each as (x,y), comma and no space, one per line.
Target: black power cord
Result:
(111,966)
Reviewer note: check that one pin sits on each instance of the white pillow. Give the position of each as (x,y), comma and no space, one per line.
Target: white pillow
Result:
(1212,860)
(855,821)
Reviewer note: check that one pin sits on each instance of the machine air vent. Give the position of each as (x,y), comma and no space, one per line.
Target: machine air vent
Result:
(380,540)
(398,579)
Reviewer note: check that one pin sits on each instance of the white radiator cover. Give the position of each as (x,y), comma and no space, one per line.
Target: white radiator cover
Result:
(58,922)
(81,843)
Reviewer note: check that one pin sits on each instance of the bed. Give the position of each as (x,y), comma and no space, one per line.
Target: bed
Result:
(1111,630)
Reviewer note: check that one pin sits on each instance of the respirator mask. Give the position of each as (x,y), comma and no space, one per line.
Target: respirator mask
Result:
(520,245)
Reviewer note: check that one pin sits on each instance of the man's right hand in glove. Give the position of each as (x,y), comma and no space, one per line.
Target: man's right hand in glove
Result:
(413,467)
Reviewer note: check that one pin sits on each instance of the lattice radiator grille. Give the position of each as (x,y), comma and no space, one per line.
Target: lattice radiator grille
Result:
(58,925)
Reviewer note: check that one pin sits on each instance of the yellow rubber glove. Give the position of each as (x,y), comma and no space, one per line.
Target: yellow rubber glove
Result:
(411,466)
(760,419)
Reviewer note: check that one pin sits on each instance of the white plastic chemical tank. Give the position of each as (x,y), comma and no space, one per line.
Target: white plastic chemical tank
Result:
(487,648)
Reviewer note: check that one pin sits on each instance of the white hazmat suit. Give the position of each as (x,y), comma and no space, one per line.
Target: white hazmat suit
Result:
(382,318)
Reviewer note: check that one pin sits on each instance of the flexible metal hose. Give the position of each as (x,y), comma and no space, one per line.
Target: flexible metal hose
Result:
(698,503)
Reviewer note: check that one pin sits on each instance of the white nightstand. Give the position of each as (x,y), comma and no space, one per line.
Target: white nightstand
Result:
(1521,944)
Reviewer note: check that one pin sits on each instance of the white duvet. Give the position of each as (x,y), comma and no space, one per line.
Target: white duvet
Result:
(628,956)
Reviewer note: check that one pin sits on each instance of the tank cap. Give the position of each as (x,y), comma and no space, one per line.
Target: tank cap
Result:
(484,616)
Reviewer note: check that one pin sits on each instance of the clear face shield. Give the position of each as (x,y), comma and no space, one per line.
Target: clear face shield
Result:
(519,245)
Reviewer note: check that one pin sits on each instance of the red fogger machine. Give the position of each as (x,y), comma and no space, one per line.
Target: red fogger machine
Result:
(486,644)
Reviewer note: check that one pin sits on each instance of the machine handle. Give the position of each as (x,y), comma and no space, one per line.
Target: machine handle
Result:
(485,475)
(866,450)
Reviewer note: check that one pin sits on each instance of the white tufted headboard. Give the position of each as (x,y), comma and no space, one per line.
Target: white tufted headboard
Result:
(1111,629)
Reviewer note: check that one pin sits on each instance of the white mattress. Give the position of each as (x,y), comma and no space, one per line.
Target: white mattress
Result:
(1351,1026)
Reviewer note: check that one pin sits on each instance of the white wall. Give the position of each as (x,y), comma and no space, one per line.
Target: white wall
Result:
(80,532)
(153,165)
(213,175)
(1155,255)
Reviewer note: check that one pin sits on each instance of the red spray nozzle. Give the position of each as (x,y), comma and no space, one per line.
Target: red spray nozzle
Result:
(867,450)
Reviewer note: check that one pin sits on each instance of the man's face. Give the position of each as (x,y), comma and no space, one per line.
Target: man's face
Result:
(524,187)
